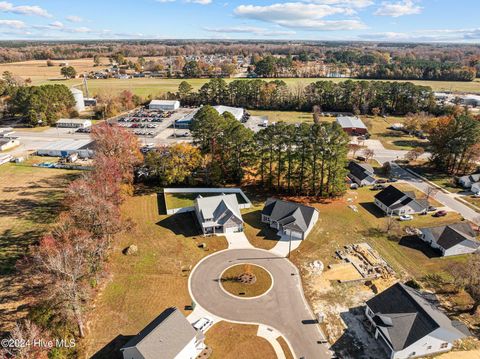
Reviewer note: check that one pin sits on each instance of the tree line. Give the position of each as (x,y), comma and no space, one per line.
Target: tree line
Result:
(302,160)
(362,97)
(66,267)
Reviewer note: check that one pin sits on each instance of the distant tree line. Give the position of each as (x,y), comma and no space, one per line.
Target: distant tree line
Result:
(361,97)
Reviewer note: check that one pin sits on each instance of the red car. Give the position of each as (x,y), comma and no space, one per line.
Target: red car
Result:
(440,214)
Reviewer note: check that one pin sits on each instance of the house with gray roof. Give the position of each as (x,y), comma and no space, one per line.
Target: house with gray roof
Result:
(393,201)
(219,214)
(289,218)
(409,325)
(452,239)
(469,180)
(168,336)
(352,125)
(361,173)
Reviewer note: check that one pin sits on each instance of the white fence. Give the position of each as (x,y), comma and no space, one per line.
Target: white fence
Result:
(238,191)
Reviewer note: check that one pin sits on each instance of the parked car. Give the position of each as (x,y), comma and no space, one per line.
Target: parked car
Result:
(381,180)
(354,186)
(431,208)
(203,324)
(393,179)
(476,195)
(405,217)
(440,213)
(378,187)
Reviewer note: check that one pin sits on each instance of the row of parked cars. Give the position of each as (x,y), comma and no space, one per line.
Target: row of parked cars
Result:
(139,125)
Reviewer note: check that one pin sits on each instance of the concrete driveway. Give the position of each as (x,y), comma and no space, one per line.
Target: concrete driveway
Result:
(283,308)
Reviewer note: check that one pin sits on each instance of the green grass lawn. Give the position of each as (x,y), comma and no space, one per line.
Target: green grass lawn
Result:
(339,225)
(181,200)
(156,86)
(259,234)
(285,116)
(141,286)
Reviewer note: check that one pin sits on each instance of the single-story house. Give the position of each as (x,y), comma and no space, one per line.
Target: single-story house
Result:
(352,125)
(409,325)
(289,218)
(475,187)
(361,173)
(392,201)
(164,105)
(219,214)
(452,239)
(8,143)
(74,123)
(468,181)
(168,336)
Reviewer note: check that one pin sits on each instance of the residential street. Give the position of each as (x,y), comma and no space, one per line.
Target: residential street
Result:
(283,308)
(447,200)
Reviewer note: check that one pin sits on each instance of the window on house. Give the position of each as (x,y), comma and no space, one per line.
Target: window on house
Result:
(429,347)
(444,345)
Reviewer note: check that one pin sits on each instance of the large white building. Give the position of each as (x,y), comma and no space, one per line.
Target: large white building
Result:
(74,123)
(237,112)
(63,148)
(164,105)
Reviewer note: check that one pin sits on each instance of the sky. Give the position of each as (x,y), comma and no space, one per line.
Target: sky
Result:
(323,20)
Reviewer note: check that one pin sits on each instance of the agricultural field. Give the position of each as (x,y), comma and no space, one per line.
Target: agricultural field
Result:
(29,205)
(141,286)
(40,73)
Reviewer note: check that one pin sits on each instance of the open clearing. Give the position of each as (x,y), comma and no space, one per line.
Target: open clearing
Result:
(238,341)
(30,202)
(143,285)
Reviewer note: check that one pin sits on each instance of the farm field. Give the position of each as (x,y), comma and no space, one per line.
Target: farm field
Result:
(30,202)
(141,286)
(40,73)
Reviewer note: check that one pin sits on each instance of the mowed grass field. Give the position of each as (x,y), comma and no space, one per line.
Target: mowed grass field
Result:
(40,73)
(30,200)
(141,286)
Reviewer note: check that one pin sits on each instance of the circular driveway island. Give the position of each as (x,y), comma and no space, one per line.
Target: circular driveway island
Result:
(283,307)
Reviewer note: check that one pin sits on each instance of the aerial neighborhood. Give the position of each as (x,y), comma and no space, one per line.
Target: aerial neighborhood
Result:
(229,197)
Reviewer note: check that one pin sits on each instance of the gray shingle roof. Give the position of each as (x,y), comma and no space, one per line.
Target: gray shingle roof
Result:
(289,214)
(360,170)
(220,208)
(404,316)
(165,336)
(450,235)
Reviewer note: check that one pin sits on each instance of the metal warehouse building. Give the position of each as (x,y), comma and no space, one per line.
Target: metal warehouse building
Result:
(73,123)
(64,148)
(164,105)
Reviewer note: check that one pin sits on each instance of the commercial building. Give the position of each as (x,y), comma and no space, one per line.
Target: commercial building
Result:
(352,125)
(186,121)
(73,123)
(63,148)
(164,105)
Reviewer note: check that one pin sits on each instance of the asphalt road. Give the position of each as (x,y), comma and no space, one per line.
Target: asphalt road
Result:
(283,308)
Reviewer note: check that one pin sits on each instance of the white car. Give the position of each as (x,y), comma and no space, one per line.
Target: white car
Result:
(203,324)
(406,217)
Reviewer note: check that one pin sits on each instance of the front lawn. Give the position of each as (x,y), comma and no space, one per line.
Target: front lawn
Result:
(182,200)
(259,234)
(142,286)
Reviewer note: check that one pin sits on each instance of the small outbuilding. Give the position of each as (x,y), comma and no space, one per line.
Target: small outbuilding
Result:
(352,125)
(74,123)
(8,143)
(164,105)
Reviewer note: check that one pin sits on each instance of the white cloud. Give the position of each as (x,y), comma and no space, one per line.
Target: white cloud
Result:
(260,31)
(405,7)
(14,24)
(23,9)
(352,3)
(74,18)
(56,25)
(301,15)
(437,35)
